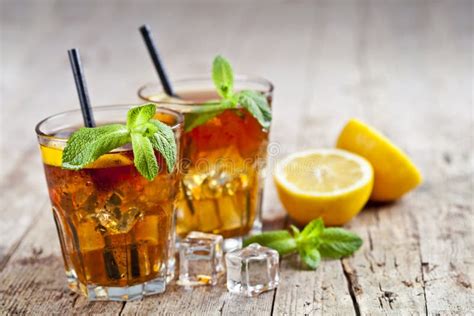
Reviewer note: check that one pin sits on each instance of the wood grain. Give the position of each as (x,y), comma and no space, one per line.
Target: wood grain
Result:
(404,67)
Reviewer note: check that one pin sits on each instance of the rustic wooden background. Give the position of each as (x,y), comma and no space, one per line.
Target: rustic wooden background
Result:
(405,67)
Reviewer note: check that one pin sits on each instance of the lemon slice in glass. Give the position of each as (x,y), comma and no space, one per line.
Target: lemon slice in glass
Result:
(52,156)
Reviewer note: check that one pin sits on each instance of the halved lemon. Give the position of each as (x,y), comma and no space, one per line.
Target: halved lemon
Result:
(329,183)
(394,173)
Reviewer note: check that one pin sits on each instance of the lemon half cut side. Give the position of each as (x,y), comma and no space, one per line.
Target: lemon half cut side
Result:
(332,184)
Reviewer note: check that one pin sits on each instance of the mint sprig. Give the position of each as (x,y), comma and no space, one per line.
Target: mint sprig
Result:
(223,76)
(86,145)
(144,156)
(314,242)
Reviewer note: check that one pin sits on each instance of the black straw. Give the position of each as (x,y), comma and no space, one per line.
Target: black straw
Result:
(155,57)
(81,86)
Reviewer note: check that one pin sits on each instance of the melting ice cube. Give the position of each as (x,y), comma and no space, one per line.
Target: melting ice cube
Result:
(200,259)
(252,270)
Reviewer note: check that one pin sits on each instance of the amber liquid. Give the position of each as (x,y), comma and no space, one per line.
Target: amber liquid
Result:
(114,225)
(222,162)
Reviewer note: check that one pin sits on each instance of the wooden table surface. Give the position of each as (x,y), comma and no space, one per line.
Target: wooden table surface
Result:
(405,67)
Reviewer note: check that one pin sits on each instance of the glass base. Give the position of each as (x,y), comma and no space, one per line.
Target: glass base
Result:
(171,266)
(111,293)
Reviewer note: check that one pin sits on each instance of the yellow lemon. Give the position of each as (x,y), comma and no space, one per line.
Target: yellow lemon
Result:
(52,156)
(329,183)
(394,173)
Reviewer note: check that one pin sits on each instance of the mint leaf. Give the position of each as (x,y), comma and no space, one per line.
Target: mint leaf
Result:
(87,144)
(280,240)
(144,156)
(296,232)
(313,229)
(200,115)
(314,242)
(257,105)
(140,115)
(310,256)
(337,242)
(193,120)
(267,237)
(163,141)
(283,246)
(223,77)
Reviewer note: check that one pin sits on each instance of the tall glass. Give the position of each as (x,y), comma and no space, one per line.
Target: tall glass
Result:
(115,227)
(223,160)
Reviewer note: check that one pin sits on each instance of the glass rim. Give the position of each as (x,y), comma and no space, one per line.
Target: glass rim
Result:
(200,77)
(41,133)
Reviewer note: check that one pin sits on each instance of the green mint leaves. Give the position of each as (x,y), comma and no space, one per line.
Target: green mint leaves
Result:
(337,242)
(140,115)
(223,76)
(257,105)
(88,144)
(146,135)
(312,244)
(144,156)
(163,141)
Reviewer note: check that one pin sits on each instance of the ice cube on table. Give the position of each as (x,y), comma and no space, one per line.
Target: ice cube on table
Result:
(252,270)
(201,259)
(218,243)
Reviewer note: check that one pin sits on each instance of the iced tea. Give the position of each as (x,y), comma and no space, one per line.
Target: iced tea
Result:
(115,227)
(222,163)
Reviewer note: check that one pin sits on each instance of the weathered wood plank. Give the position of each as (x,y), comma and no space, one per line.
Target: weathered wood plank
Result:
(201,301)
(446,210)
(401,234)
(306,292)
(385,275)
(324,290)
(22,192)
(444,217)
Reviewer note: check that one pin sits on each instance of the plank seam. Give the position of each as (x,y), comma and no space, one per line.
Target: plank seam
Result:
(273,301)
(423,283)
(122,308)
(350,286)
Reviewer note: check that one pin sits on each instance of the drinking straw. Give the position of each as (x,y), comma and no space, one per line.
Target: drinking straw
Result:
(155,57)
(81,87)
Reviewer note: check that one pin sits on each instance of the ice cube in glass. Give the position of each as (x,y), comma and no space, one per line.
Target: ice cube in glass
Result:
(252,270)
(200,259)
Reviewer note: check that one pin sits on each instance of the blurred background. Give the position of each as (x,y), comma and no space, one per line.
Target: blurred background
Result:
(381,61)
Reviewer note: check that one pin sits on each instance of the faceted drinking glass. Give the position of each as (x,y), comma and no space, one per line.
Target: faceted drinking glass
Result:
(223,160)
(115,227)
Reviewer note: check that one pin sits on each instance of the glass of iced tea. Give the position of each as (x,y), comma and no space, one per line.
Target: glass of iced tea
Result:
(115,227)
(223,160)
